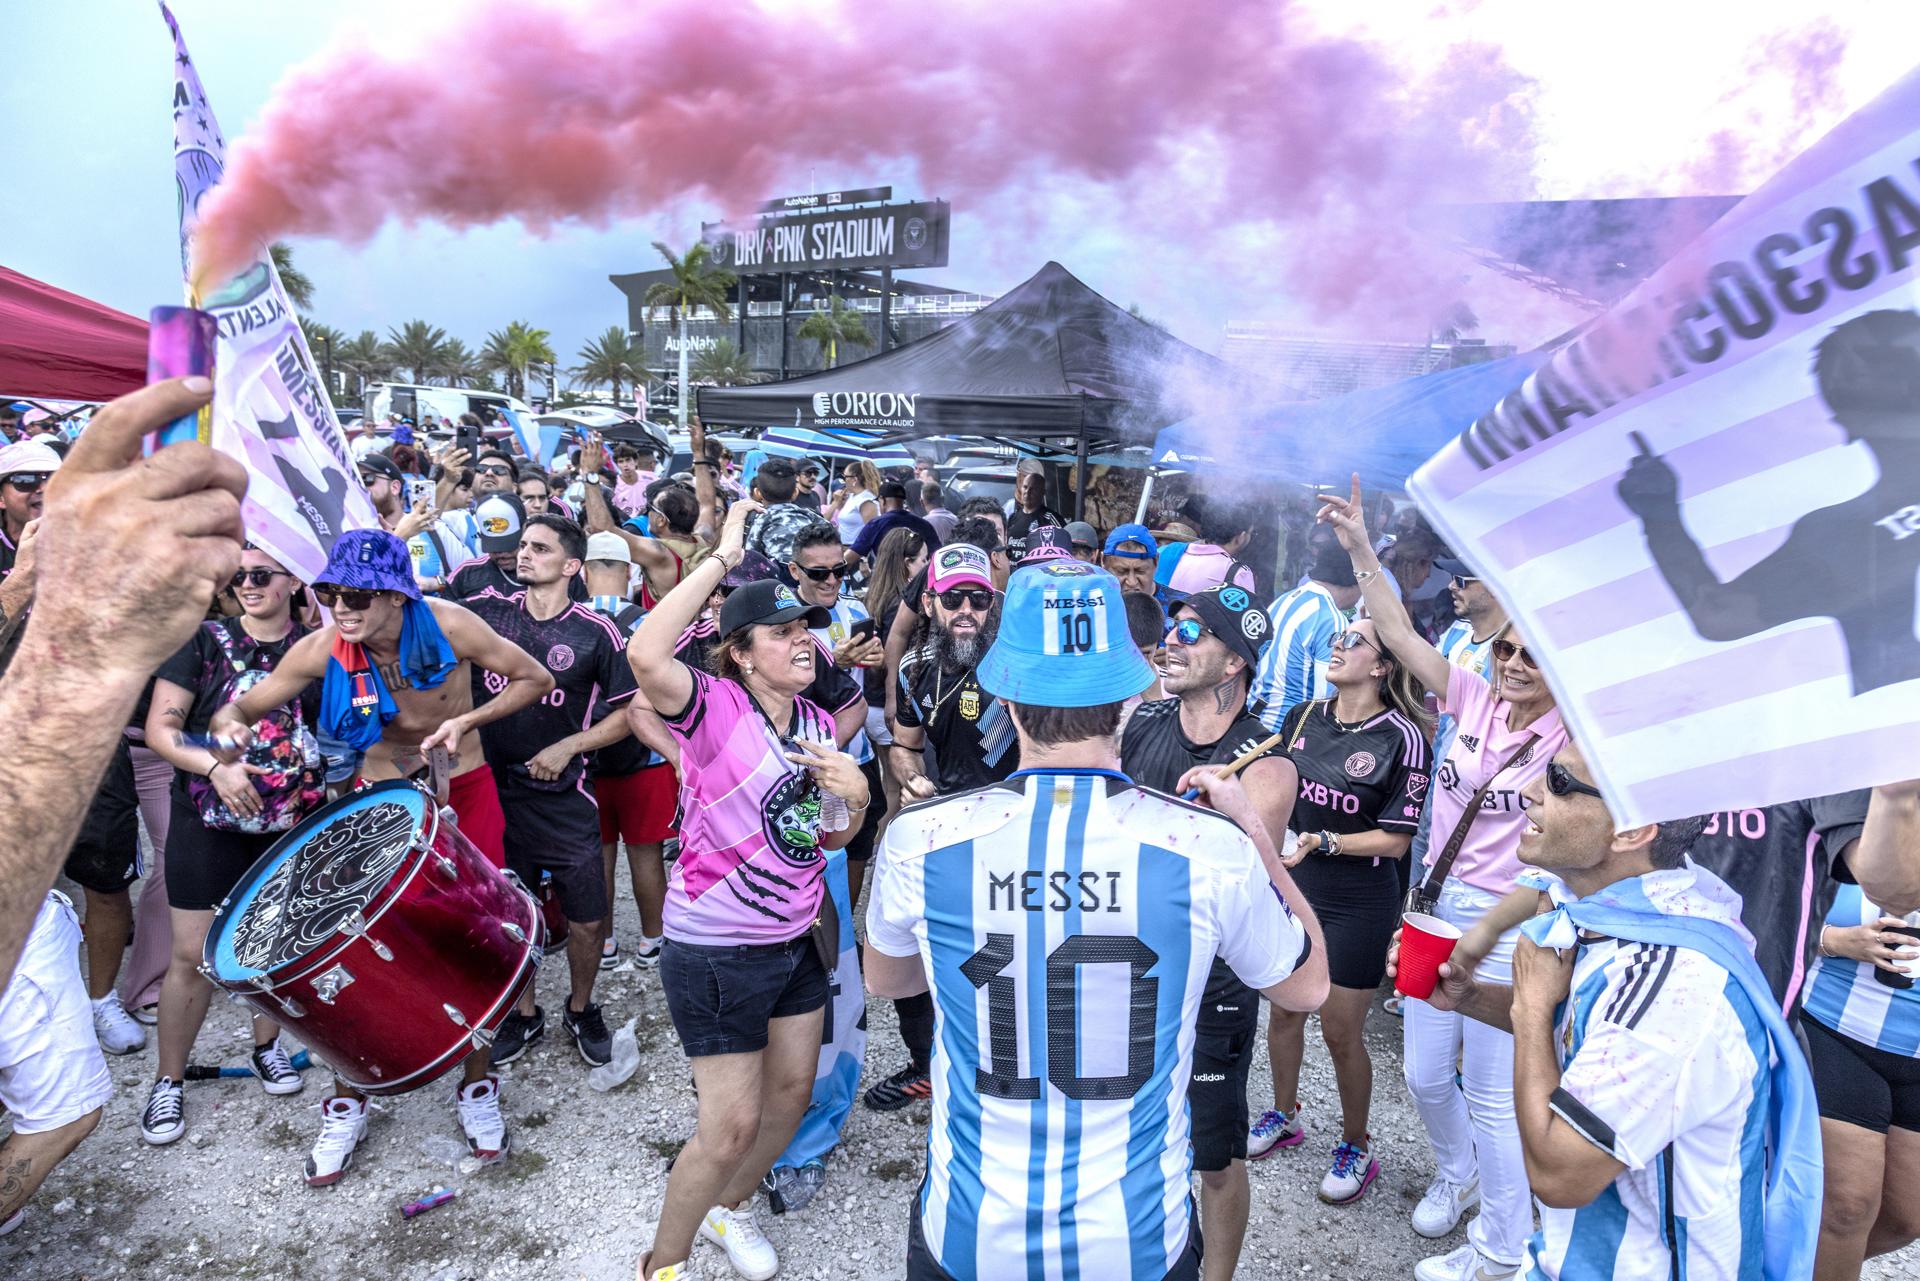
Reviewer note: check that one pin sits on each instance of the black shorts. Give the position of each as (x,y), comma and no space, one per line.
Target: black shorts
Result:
(922,1266)
(721,998)
(1859,1085)
(558,833)
(105,857)
(1358,903)
(205,863)
(861,846)
(1223,1038)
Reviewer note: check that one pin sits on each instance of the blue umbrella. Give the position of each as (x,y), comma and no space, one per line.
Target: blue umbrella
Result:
(1384,433)
(804,442)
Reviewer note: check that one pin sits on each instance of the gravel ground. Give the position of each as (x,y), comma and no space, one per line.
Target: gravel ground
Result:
(577,1198)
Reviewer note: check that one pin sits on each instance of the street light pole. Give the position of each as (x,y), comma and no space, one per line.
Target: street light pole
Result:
(326,357)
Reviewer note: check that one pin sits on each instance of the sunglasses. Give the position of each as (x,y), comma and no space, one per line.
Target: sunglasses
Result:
(26,481)
(979,598)
(1504,650)
(494,469)
(1561,782)
(1353,640)
(259,577)
(1187,631)
(1464,581)
(822,573)
(334,597)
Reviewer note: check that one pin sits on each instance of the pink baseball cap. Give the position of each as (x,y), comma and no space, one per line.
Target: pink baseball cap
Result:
(956,564)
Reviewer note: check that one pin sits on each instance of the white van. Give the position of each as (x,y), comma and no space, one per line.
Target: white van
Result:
(428,405)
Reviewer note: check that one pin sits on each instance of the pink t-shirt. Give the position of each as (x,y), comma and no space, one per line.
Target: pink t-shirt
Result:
(750,868)
(632,499)
(1204,566)
(1489,856)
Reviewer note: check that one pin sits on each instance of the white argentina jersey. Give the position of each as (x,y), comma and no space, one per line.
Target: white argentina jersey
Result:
(1067,921)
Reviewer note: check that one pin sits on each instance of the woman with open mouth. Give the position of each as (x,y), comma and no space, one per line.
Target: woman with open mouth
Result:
(1509,729)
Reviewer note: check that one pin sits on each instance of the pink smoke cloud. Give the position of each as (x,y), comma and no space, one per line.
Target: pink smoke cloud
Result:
(625,112)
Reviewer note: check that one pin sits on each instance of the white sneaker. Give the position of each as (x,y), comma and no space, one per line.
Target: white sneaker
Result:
(118,1034)
(682,1271)
(1464,1264)
(343,1122)
(481,1118)
(20,1216)
(146,1015)
(165,1116)
(1440,1209)
(735,1231)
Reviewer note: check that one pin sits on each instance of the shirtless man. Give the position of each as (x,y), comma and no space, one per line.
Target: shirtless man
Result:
(368,584)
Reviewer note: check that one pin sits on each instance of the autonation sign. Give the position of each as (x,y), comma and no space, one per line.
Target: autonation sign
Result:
(859,409)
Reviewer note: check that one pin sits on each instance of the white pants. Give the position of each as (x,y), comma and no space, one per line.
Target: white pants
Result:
(1472,1125)
(51,1070)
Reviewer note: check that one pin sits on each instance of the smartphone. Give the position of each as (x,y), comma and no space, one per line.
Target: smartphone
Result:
(468,438)
(863,630)
(419,492)
(180,343)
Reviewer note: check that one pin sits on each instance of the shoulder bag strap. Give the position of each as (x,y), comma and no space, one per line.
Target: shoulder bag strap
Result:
(1451,850)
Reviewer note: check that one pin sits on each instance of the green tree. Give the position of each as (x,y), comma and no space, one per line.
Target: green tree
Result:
(365,357)
(609,360)
(836,324)
(460,365)
(323,343)
(513,349)
(417,348)
(297,283)
(724,365)
(696,283)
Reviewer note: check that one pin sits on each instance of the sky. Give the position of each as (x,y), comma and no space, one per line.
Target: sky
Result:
(1633,97)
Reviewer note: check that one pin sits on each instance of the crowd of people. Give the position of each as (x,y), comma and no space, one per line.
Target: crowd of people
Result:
(1099,796)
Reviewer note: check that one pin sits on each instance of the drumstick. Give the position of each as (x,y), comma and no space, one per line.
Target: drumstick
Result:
(1239,762)
(301,1060)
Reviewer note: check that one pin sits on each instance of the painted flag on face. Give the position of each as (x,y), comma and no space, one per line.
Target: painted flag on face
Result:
(1701,513)
(269,408)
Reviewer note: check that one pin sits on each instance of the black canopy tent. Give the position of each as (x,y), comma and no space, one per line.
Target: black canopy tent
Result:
(1051,363)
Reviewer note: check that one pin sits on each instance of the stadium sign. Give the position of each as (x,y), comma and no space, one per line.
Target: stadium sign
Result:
(828,199)
(904,235)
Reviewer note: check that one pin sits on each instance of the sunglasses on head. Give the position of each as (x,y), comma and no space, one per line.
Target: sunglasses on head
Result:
(1503,650)
(258,576)
(1561,782)
(979,598)
(334,597)
(822,573)
(1352,640)
(1187,631)
(27,481)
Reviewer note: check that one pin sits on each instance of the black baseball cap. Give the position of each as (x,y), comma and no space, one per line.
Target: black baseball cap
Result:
(1456,568)
(769,602)
(1232,614)
(383,465)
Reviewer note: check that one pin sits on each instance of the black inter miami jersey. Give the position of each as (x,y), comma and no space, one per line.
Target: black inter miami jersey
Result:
(585,653)
(1155,751)
(480,576)
(1356,779)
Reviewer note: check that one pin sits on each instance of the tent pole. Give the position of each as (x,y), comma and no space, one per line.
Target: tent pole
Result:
(785,283)
(886,304)
(1080,475)
(1146,493)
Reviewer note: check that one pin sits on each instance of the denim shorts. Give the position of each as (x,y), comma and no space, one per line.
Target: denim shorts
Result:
(721,998)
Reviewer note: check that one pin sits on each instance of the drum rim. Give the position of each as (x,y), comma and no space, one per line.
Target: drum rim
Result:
(300,967)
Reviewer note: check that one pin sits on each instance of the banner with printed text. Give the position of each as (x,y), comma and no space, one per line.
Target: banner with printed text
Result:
(270,410)
(1701,513)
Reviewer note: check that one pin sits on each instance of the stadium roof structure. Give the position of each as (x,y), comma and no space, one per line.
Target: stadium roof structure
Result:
(1589,253)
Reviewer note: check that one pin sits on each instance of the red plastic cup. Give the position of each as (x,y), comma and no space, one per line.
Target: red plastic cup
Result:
(1425,942)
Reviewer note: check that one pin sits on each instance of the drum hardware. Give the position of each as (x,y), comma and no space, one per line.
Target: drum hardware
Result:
(327,985)
(445,866)
(454,1014)
(483,1038)
(355,926)
(514,932)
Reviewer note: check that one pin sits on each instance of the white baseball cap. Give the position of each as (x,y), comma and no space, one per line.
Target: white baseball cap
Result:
(607,545)
(27,456)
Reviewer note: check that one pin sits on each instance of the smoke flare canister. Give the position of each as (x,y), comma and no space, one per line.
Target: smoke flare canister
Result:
(180,343)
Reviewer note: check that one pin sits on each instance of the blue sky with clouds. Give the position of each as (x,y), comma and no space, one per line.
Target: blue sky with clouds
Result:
(84,94)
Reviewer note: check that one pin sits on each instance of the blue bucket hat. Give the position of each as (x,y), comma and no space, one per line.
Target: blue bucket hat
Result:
(370,560)
(1063,640)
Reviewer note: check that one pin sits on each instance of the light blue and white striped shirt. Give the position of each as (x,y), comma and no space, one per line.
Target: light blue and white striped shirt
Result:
(1067,921)
(1293,669)
(841,616)
(1844,995)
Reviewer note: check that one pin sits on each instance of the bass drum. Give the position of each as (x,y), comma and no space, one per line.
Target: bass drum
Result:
(379,936)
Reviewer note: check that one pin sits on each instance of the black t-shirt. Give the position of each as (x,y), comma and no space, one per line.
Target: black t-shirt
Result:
(1784,862)
(1155,751)
(629,755)
(1022,522)
(807,498)
(482,575)
(587,656)
(1358,779)
(202,667)
(970,732)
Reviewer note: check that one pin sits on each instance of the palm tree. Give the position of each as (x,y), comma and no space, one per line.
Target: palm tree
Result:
(696,283)
(297,283)
(418,348)
(365,357)
(323,344)
(459,365)
(724,365)
(513,349)
(609,360)
(838,324)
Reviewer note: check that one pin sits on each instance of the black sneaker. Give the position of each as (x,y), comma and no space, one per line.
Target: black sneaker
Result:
(518,1033)
(589,1033)
(164,1118)
(275,1070)
(908,1085)
(610,953)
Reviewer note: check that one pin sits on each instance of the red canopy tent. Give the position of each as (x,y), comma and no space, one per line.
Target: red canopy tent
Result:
(61,346)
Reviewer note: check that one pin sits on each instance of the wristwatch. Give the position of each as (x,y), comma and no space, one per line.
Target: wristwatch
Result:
(1329,844)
